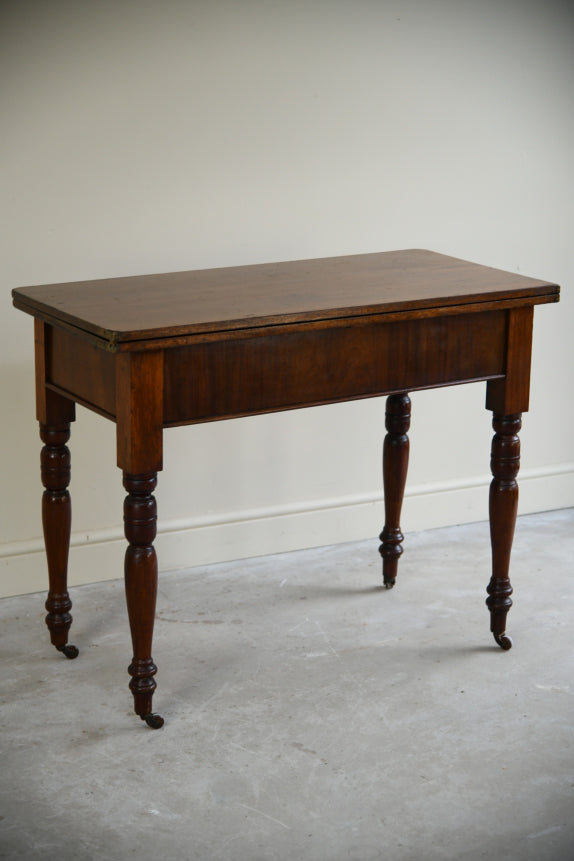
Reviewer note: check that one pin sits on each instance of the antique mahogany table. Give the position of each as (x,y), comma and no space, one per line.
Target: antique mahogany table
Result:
(155,351)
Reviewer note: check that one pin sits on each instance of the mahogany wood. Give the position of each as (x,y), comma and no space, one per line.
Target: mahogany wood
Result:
(52,408)
(139,411)
(56,522)
(299,368)
(510,394)
(155,351)
(78,366)
(54,413)
(149,307)
(395,466)
(503,507)
(140,571)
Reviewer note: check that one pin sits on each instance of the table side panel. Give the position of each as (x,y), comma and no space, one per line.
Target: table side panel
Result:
(309,366)
(81,369)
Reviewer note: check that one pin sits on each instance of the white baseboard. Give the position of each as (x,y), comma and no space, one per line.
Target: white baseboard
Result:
(259,532)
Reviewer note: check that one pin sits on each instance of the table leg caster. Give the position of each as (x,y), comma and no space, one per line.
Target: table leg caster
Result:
(388,584)
(503,641)
(70,652)
(154,721)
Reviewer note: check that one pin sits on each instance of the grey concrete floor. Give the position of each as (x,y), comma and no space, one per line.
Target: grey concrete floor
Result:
(310,714)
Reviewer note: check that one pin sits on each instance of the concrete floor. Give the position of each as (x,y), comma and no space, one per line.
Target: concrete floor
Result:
(310,714)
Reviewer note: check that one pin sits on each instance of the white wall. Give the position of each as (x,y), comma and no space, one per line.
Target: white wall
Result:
(148,137)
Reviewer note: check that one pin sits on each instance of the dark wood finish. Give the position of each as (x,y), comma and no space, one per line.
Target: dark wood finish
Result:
(57,522)
(77,366)
(510,394)
(52,407)
(503,507)
(140,571)
(301,367)
(395,466)
(54,413)
(139,411)
(155,351)
(150,307)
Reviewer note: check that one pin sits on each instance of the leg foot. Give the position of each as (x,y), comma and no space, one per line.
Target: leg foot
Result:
(154,721)
(395,465)
(503,507)
(69,651)
(503,641)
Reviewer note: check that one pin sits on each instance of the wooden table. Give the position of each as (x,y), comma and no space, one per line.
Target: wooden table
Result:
(156,351)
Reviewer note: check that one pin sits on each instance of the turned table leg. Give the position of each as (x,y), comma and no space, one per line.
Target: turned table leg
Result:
(140,519)
(503,505)
(395,465)
(56,522)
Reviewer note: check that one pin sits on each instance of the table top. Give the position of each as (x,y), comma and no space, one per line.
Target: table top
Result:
(141,307)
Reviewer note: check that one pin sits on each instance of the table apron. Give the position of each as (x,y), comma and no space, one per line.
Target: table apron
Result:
(307,367)
(293,368)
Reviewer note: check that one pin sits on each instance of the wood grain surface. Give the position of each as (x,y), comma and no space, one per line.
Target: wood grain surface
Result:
(215,300)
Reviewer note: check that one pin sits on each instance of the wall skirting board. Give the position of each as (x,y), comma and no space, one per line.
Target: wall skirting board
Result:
(185,543)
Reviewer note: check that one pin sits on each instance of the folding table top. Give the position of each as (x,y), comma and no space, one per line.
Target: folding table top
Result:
(413,282)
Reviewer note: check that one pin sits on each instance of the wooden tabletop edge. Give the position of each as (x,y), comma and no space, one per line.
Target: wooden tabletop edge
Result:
(541,292)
